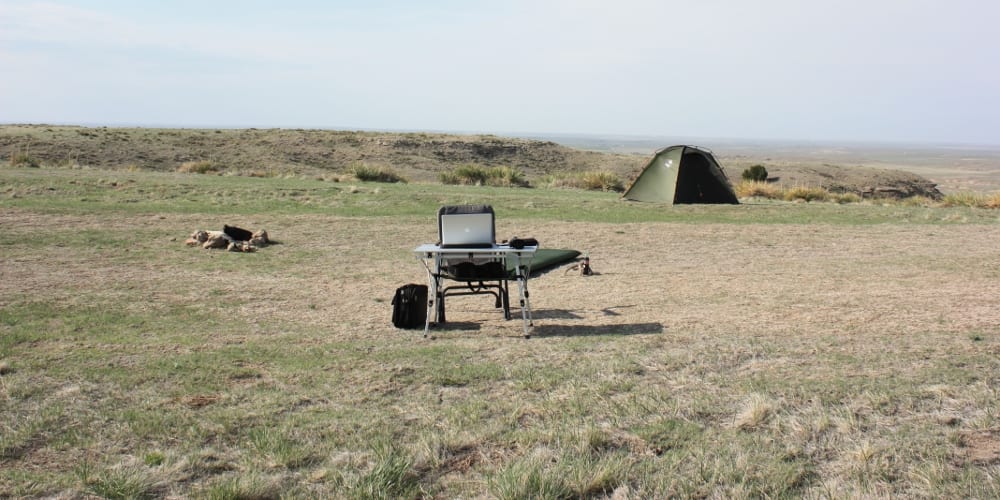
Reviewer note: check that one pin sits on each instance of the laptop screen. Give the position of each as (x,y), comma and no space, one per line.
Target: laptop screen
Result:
(467,230)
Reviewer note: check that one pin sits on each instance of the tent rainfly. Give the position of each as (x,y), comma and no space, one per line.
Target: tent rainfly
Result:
(682,174)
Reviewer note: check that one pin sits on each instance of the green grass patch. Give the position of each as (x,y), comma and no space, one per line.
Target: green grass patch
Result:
(135,193)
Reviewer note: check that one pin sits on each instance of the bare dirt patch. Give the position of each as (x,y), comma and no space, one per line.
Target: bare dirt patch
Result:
(681,277)
(981,447)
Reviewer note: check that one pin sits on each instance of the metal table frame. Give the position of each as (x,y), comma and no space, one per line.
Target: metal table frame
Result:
(432,256)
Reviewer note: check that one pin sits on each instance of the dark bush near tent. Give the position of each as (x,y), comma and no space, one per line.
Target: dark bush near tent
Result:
(756,173)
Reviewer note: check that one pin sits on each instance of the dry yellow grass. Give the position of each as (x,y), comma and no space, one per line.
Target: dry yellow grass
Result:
(753,189)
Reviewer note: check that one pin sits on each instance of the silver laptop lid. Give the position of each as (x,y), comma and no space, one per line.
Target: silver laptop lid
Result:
(467,230)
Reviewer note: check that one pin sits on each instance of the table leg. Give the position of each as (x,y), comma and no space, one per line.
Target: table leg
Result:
(432,293)
(522,290)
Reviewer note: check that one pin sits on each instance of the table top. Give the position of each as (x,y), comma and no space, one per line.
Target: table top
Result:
(431,248)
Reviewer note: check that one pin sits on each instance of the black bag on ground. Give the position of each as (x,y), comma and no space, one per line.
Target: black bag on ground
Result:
(237,233)
(409,306)
(464,271)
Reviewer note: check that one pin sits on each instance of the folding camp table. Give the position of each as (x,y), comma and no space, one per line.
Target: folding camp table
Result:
(433,256)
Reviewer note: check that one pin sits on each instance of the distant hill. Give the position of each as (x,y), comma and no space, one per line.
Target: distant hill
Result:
(418,157)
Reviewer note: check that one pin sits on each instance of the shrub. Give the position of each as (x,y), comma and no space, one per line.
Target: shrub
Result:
(755,173)
(199,167)
(366,173)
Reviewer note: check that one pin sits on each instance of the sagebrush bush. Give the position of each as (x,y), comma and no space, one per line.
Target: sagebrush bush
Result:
(757,173)
(367,173)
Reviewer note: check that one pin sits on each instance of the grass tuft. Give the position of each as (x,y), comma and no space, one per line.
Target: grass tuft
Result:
(758,189)
(756,411)
(590,181)
(154,459)
(602,181)
(806,194)
(20,159)
(251,487)
(506,177)
(199,167)
(971,200)
(366,173)
(118,483)
(844,198)
(529,478)
(475,175)
(391,476)
(280,448)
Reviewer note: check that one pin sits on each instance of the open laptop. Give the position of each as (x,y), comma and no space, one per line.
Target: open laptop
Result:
(466,230)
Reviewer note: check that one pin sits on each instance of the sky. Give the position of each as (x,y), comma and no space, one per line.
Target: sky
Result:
(917,71)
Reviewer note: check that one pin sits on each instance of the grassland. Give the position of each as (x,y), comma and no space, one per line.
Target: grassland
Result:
(426,157)
(763,350)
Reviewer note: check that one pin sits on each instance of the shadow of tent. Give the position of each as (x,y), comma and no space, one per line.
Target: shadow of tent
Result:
(586,330)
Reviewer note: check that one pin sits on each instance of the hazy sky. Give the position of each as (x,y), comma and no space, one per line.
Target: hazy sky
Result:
(875,70)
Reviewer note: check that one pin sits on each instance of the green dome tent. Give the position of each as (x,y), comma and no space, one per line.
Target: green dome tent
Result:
(682,174)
